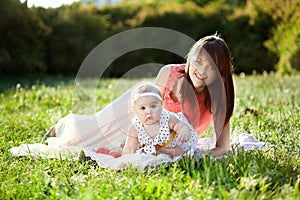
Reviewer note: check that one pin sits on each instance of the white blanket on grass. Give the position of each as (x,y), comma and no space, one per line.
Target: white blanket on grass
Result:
(139,161)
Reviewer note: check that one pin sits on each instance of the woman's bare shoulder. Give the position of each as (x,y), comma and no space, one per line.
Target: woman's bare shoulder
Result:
(162,77)
(165,70)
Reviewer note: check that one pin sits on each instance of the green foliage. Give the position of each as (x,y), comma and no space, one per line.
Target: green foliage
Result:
(285,39)
(230,2)
(132,14)
(246,33)
(243,26)
(262,35)
(30,106)
(75,31)
(21,33)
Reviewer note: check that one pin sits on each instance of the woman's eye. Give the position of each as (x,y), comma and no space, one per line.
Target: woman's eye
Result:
(199,62)
(153,106)
(142,108)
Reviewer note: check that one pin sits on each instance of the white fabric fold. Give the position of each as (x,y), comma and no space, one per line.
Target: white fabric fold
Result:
(248,142)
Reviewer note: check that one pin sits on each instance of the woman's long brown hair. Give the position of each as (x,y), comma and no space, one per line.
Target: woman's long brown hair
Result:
(219,96)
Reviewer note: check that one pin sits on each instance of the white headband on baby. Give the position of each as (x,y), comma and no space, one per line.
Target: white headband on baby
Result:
(145,94)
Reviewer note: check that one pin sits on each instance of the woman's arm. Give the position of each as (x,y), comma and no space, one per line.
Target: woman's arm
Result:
(223,142)
(131,144)
(162,78)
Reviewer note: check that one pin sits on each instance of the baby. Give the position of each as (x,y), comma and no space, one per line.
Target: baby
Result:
(155,130)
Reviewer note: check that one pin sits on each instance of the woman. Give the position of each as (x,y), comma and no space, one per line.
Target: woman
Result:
(202,89)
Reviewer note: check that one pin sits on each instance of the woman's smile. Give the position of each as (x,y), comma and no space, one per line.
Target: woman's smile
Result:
(201,77)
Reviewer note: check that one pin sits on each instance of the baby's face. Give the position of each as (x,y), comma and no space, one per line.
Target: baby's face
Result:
(148,110)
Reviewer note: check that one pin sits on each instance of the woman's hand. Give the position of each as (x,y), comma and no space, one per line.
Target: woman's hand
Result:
(223,142)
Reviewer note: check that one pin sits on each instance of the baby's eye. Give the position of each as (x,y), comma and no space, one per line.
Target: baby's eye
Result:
(142,108)
(153,106)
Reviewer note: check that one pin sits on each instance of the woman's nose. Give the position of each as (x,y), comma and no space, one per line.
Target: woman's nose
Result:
(201,70)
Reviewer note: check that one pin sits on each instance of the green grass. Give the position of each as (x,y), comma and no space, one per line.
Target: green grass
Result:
(29,109)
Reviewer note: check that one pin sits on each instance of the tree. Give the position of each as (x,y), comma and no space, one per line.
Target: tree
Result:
(21,33)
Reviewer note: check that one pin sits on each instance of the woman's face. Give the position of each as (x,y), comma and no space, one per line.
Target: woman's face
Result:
(202,71)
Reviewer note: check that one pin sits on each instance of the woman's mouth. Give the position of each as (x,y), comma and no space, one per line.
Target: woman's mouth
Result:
(200,77)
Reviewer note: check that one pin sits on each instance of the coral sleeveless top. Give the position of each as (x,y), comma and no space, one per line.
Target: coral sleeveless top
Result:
(171,102)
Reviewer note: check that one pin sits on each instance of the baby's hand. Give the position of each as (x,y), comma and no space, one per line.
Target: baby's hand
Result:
(183,137)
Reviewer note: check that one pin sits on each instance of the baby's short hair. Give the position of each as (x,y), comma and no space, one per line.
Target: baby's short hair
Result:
(145,89)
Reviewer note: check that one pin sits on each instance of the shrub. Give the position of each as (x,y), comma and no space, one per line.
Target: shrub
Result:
(75,31)
(285,40)
(21,33)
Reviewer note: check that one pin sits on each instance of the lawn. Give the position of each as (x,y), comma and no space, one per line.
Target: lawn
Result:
(29,106)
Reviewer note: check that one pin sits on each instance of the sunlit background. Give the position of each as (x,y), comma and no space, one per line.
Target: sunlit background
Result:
(58,3)
(263,35)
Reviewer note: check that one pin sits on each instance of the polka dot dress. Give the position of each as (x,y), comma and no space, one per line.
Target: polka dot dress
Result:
(148,143)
